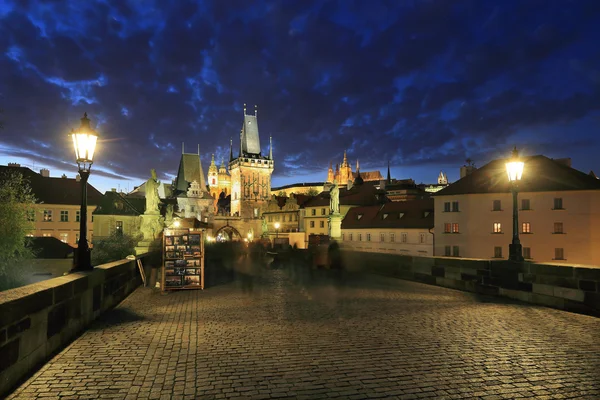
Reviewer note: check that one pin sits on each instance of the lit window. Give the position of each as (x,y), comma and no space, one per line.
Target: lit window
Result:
(497,227)
(119,227)
(526,227)
(47,215)
(455,228)
(64,216)
(64,237)
(558,227)
(447,227)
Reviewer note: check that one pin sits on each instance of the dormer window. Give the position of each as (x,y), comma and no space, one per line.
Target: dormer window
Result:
(384,216)
(400,215)
(359,216)
(426,214)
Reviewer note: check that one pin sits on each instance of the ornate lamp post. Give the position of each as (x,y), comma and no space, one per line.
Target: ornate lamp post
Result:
(84,141)
(514,168)
(277,225)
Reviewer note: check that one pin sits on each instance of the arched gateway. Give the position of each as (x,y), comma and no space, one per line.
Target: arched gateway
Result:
(227,233)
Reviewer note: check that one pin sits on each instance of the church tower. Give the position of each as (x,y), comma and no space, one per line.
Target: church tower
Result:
(345,172)
(442,178)
(224,181)
(213,178)
(250,172)
(330,177)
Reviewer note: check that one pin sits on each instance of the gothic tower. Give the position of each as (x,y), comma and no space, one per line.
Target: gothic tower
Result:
(330,177)
(250,172)
(213,178)
(345,172)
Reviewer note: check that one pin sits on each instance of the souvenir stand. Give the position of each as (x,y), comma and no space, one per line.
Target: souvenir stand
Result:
(183,259)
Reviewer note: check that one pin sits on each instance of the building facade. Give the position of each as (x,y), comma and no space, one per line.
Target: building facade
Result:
(558,217)
(58,204)
(118,213)
(404,228)
(343,173)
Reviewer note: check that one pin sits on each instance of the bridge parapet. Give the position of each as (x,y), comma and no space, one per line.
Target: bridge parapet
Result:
(38,319)
(568,287)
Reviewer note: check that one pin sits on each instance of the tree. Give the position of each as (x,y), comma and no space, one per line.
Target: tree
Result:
(17,208)
(312,192)
(115,247)
(282,193)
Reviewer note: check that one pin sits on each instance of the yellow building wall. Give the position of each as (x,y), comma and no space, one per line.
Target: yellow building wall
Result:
(105,225)
(297,190)
(476,237)
(67,231)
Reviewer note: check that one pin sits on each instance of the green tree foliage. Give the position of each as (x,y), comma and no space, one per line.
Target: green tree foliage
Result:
(17,208)
(312,192)
(281,193)
(112,248)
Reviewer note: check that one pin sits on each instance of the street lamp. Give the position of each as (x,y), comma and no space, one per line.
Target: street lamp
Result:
(514,169)
(84,142)
(277,225)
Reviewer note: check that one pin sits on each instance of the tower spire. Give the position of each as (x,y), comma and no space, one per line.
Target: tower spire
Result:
(182,147)
(345,162)
(256,110)
(230,149)
(199,150)
(242,134)
(244,108)
(389,176)
(270,147)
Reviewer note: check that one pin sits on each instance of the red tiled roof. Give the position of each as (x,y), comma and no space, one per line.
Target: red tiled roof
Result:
(540,174)
(55,190)
(414,214)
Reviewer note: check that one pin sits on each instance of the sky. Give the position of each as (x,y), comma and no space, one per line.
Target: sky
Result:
(422,84)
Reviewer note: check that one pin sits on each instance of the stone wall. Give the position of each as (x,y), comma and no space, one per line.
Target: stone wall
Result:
(39,319)
(565,287)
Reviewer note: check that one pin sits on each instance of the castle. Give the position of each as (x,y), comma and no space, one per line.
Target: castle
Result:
(343,173)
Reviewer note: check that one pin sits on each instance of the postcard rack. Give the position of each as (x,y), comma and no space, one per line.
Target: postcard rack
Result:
(183,260)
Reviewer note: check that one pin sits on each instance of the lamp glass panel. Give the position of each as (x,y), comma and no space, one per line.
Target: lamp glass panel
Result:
(514,170)
(85,145)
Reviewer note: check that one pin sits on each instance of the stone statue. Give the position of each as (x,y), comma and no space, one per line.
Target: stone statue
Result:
(265,228)
(334,202)
(152,193)
(169,214)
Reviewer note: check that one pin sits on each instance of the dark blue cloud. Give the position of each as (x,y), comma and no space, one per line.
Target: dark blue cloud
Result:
(424,84)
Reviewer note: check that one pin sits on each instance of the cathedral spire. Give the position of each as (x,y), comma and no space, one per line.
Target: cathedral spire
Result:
(182,147)
(345,162)
(230,149)
(244,108)
(270,146)
(199,150)
(242,134)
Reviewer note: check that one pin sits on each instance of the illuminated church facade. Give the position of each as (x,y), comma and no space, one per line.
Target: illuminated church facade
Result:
(343,173)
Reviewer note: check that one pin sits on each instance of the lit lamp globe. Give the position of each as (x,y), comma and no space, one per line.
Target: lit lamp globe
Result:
(277,225)
(176,224)
(84,142)
(514,167)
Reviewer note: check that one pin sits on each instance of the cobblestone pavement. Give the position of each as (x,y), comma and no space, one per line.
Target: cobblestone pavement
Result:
(374,337)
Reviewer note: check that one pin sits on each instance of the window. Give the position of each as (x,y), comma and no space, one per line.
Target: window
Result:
(392,237)
(497,205)
(526,227)
(350,237)
(64,216)
(368,237)
(45,234)
(322,224)
(404,237)
(497,227)
(312,224)
(422,238)
(47,215)
(447,227)
(360,237)
(447,206)
(313,211)
(64,237)
(525,205)
(359,216)
(119,227)
(455,206)
(77,215)
(277,218)
(30,215)
(192,209)
(270,218)
(256,213)
(447,251)
(455,252)
(382,237)
(76,238)
(527,253)
(497,252)
(558,227)
(322,211)
(558,205)
(559,253)
(384,216)
(455,228)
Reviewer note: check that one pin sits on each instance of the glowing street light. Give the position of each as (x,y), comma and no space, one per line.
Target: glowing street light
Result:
(84,142)
(514,169)
(277,225)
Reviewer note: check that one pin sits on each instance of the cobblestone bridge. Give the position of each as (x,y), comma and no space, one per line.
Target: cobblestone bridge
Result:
(288,336)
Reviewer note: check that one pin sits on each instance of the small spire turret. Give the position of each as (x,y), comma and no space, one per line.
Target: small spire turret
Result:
(270,147)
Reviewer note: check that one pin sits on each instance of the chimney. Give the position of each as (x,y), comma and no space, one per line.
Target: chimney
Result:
(382,184)
(113,190)
(14,164)
(45,172)
(77,178)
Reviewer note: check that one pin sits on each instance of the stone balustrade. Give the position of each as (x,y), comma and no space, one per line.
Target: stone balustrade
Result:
(38,320)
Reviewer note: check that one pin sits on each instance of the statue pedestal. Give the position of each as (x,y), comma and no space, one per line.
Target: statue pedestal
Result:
(151,227)
(335,226)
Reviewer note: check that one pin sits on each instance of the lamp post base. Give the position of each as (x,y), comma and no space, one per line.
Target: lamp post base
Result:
(82,259)
(515,252)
